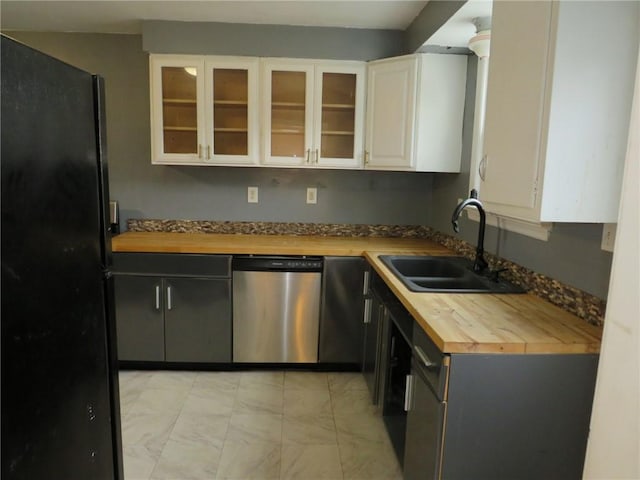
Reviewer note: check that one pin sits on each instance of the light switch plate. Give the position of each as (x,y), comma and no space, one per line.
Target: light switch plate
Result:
(312,195)
(252,194)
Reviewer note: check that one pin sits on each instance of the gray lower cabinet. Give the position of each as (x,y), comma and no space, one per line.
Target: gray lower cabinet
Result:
(139,318)
(341,317)
(173,308)
(197,322)
(425,422)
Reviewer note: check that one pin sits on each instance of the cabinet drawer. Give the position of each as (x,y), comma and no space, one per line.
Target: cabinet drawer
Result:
(432,362)
(173,264)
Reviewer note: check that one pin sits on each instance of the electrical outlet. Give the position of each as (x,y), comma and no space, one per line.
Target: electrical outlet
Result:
(312,195)
(608,236)
(252,194)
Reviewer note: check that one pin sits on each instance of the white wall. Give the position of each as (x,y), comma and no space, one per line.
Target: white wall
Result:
(613,451)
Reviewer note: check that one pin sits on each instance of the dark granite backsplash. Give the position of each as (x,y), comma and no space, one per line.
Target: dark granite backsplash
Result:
(582,304)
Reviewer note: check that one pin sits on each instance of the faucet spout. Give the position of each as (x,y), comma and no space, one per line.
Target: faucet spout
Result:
(479,264)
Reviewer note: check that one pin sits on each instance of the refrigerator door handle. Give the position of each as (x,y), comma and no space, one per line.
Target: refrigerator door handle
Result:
(169,297)
(157,297)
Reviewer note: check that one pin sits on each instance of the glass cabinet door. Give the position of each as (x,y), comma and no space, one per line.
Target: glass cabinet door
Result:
(230,111)
(177,120)
(179,109)
(288,114)
(338,137)
(232,106)
(338,115)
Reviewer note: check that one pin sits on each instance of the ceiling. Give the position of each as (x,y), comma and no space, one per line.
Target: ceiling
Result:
(121,16)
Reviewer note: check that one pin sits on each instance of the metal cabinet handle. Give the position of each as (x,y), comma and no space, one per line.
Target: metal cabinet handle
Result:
(408,393)
(427,362)
(169,297)
(199,150)
(308,155)
(482,167)
(317,155)
(157,297)
(208,152)
(365,283)
(367,311)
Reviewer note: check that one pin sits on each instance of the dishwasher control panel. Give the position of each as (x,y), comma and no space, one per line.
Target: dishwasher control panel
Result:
(277,263)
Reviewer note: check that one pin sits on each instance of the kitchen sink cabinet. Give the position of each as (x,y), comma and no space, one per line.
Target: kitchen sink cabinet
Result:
(313,113)
(204,110)
(471,415)
(342,309)
(557,116)
(415,107)
(173,308)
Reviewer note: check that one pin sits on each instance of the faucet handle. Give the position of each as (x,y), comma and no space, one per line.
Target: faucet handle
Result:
(473,193)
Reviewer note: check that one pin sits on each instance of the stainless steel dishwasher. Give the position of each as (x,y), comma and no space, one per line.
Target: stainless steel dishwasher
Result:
(276,309)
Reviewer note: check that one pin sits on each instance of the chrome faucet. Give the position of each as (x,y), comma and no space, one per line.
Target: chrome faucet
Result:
(479,264)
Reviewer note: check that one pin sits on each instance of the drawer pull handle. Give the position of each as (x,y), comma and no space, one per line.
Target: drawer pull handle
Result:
(365,287)
(169,298)
(367,310)
(408,393)
(424,358)
(157,297)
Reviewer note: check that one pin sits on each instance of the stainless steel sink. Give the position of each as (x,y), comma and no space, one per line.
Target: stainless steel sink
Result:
(444,274)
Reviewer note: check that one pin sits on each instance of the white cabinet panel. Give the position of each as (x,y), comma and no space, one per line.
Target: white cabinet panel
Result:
(558,109)
(415,110)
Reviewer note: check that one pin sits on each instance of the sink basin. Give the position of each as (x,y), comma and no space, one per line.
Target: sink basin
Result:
(443,274)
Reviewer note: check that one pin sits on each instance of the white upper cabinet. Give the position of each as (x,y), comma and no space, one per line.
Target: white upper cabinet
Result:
(558,109)
(204,110)
(415,108)
(313,113)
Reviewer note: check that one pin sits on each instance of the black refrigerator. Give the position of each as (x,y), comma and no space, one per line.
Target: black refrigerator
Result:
(60,399)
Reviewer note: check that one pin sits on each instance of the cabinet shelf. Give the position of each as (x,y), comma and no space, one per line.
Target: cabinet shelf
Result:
(230,130)
(179,129)
(230,103)
(337,132)
(288,131)
(290,105)
(338,106)
(179,101)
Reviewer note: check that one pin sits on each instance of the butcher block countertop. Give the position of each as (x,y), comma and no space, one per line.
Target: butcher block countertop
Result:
(270,244)
(457,323)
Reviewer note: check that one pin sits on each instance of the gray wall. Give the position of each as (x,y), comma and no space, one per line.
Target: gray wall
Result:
(218,193)
(572,254)
(211,38)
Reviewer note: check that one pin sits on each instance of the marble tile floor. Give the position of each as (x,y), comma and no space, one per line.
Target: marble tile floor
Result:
(257,425)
